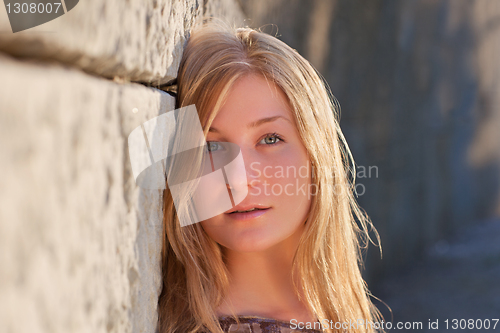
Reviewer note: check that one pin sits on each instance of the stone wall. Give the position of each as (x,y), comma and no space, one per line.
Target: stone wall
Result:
(79,241)
(419,86)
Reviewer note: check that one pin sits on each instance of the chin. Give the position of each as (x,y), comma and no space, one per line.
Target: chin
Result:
(248,243)
(249,246)
(259,240)
(257,236)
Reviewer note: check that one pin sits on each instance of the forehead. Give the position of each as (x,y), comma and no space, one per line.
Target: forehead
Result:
(250,98)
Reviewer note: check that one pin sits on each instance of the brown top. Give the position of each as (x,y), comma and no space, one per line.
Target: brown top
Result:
(252,324)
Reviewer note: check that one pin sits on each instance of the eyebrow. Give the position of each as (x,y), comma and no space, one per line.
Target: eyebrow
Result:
(256,123)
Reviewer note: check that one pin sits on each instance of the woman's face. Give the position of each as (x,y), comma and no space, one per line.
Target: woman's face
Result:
(257,117)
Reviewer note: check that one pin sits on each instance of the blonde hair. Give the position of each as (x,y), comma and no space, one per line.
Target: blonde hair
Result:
(328,259)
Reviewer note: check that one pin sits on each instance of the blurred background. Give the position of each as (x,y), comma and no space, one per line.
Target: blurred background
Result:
(418,82)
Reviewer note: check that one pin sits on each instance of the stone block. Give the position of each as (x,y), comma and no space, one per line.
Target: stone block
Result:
(79,241)
(135,40)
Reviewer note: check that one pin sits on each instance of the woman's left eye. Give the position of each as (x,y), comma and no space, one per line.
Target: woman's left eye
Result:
(213,146)
(271,139)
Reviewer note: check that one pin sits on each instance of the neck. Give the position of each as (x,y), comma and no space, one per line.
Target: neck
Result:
(261,283)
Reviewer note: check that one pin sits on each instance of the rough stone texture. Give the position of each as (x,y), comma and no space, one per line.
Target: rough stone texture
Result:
(79,241)
(418,82)
(139,40)
(228,10)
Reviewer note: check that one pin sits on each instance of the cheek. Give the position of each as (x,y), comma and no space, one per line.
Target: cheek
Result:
(212,224)
(214,228)
(292,175)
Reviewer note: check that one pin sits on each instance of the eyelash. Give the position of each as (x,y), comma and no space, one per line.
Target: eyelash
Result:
(274,135)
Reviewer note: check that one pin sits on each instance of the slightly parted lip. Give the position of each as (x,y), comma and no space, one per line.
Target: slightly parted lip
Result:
(246,207)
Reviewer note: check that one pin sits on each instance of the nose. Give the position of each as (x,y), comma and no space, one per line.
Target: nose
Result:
(253,166)
(241,174)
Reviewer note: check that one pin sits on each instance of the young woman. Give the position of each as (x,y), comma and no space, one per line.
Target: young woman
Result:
(287,258)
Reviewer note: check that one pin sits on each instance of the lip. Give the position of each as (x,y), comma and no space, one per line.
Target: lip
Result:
(247,207)
(249,215)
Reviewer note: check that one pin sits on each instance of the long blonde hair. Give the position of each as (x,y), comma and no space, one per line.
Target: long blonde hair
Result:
(328,259)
